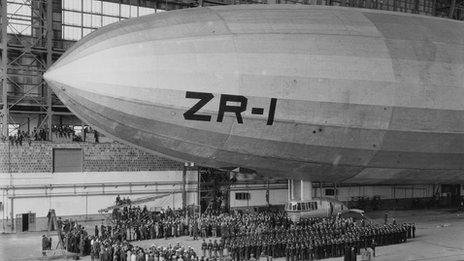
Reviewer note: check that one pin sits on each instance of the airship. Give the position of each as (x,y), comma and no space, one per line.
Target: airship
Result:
(316,93)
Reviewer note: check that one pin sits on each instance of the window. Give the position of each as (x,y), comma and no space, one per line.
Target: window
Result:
(125,11)
(72,5)
(242,196)
(87,31)
(13,129)
(330,192)
(312,205)
(87,20)
(96,7)
(145,11)
(134,11)
(109,20)
(87,6)
(72,18)
(96,21)
(110,8)
(71,32)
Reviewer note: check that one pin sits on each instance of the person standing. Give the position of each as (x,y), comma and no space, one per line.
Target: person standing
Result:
(96,136)
(210,248)
(215,248)
(195,230)
(204,247)
(373,245)
(44,245)
(221,249)
(81,245)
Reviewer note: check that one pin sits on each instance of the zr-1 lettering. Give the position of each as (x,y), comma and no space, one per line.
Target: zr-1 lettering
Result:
(237,108)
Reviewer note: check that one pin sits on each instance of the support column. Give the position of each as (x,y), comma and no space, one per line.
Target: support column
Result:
(289,190)
(300,190)
(4,28)
(267,192)
(12,214)
(306,190)
(184,180)
(296,189)
(49,61)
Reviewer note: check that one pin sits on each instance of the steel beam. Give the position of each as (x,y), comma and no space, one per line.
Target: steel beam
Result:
(184,181)
(49,44)
(4,28)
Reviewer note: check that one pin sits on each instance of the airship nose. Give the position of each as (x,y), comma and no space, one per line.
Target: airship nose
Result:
(50,77)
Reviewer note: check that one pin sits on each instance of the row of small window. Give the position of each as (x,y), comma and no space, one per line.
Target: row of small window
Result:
(76,26)
(301,206)
(87,20)
(14,128)
(74,32)
(106,8)
(94,20)
(242,196)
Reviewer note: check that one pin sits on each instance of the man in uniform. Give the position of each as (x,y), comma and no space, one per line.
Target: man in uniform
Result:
(204,247)
(44,245)
(215,248)
(221,249)
(195,230)
(287,252)
(210,248)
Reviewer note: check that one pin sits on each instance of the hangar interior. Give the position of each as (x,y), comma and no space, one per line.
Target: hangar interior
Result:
(49,159)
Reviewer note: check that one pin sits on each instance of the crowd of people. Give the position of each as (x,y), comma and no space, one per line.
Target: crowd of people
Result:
(40,134)
(106,244)
(122,201)
(24,136)
(136,223)
(315,238)
(234,236)
(63,131)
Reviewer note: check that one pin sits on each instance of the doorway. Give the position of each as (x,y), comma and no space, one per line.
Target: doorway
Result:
(25,219)
(451,194)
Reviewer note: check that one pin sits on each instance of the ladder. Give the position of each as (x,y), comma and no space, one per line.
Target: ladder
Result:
(53,225)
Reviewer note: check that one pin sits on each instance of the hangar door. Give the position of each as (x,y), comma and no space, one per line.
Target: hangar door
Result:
(67,160)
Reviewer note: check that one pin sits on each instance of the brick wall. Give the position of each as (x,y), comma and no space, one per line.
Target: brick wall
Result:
(97,157)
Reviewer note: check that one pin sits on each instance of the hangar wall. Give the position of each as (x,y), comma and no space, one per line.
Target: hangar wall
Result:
(28,182)
(88,192)
(258,193)
(109,156)
(346,193)
(85,193)
(354,195)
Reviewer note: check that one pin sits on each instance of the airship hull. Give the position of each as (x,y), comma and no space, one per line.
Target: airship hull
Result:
(317,93)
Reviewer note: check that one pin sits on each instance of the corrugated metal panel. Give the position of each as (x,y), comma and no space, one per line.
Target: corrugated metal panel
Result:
(67,160)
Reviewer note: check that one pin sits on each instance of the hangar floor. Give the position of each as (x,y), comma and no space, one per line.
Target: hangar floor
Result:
(439,236)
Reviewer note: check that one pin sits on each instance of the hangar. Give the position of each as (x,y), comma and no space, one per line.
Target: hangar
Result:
(52,159)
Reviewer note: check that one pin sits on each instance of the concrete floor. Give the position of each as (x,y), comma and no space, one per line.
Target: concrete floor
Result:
(440,236)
